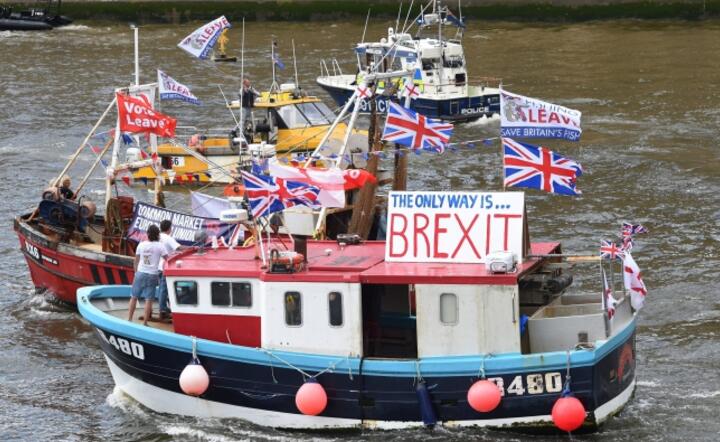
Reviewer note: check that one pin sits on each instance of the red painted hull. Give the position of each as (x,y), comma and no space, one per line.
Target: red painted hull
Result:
(62,268)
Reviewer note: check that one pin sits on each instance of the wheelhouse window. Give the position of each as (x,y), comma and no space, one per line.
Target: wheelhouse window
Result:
(335,309)
(448,309)
(293,309)
(186,292)
(227,294)
(313,114)
(291,118)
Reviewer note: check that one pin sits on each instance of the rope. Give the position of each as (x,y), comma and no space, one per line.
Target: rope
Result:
(481,371)
(305,374)
(566,387)
(194,348)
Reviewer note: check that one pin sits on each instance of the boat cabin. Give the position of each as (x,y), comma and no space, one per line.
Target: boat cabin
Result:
(347,300)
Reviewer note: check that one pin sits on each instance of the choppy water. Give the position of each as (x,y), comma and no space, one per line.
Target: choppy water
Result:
(650,97)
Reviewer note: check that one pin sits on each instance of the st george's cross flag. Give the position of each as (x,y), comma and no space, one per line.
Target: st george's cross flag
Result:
(632,278)
(412,129)
(539,168)
(609,301)
(267,195)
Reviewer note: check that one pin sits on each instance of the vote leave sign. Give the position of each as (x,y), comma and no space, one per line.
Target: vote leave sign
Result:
(459,227)
(137,115)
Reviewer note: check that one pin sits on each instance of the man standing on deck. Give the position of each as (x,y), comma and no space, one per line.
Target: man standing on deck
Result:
(147,256)
(170,245)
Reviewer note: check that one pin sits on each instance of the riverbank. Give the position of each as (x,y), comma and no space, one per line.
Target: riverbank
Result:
(174,11)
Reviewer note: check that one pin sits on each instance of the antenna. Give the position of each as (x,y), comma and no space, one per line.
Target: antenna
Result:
(242,77)
(137,56)
(404,28)
(297,82)
(397,20)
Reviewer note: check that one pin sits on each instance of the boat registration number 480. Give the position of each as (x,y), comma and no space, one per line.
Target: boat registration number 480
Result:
(534,383)
(123,345)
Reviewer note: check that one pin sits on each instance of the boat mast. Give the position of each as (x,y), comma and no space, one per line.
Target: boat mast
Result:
(297,82)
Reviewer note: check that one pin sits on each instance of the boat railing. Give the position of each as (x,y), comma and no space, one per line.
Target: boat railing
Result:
(325,71)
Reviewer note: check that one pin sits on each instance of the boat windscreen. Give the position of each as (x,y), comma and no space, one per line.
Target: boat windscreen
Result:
(317,113)
(292,117)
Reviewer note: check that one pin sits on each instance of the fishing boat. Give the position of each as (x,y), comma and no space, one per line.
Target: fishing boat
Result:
(32,19)
(456,319)
(285,120)
(440,87)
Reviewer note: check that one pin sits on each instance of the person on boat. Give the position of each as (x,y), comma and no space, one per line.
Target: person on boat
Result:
(65,190)
(147,259)
(249,94)
(171,245)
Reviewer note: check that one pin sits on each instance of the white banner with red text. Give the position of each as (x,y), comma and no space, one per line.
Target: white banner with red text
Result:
(458,227)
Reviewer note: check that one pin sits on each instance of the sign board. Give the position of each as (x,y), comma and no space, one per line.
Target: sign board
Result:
(524,117)
(184,226)
(458,227)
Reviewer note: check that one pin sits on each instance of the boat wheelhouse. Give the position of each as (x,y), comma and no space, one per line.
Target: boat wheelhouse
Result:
(392,343)
(440,86)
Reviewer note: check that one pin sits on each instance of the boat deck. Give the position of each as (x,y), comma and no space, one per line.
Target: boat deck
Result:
(118,307)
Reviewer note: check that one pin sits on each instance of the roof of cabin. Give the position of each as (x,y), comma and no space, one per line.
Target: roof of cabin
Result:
(328,262)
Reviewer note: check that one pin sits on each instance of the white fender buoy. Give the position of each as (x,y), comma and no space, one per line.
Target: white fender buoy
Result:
(194,380)
(311,398)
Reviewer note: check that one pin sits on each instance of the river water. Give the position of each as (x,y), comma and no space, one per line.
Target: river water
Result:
(650,97)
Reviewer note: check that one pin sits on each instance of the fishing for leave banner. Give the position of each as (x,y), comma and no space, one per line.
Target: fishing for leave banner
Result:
(459,227)
(173,90)
(184,226)
(203,39)
(138,115)
(524,117)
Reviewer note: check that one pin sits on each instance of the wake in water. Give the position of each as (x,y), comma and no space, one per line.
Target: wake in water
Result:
(485,121)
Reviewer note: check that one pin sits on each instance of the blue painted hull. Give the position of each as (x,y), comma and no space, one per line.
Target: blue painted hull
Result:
(367,389)
(456,109)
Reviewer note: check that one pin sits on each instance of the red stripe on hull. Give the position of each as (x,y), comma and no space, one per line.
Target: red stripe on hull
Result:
(240,330)
(62,273)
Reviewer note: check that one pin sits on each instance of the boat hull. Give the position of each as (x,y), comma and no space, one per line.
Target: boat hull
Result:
(11,24)
(259,385)
(451,109)
(61,268)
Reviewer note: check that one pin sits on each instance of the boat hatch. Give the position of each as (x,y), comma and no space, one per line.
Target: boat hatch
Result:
(389,321)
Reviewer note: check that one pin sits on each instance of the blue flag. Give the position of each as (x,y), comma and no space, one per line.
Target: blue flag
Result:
(278,62)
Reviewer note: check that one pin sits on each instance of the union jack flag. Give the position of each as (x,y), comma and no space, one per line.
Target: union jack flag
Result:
(609,300)
(610,250)
(632,229)
(539,168)
(409,128)
(267,194)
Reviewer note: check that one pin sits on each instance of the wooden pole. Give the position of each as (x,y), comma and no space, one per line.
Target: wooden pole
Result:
(92,168)
(82,145)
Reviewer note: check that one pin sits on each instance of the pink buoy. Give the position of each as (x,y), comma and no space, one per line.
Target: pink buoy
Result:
(484,396)
(194,380)
(311,398)
(568,413)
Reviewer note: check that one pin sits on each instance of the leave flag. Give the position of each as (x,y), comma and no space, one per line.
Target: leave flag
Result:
(267,195)
(137,115)
(524,117)
(203,39)
(409,128)
(173,90)
(332,182)
(632,278)
(539,168)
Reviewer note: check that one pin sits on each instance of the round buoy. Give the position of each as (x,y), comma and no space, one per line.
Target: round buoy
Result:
(568,413)
(484,396)
(311,398)
(194,380)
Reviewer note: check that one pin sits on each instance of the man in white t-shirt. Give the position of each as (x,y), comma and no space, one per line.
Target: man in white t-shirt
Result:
(170,245)
(147,257)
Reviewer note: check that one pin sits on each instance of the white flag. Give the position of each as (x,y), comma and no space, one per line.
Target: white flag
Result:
(203,39)
(633,282)
(172,90)
(524,117)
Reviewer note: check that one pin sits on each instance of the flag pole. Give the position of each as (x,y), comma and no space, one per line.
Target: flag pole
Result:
(297,82)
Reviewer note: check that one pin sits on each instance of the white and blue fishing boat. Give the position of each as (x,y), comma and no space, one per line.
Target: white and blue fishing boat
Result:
(390,334)
(440,85)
